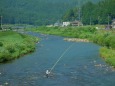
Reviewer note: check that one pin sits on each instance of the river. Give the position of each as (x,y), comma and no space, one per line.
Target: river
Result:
(80,66)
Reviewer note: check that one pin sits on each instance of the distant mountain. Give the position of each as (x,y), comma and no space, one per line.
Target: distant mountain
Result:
(36,12)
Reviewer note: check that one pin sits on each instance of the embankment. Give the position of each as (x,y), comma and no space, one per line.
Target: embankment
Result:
(13,45)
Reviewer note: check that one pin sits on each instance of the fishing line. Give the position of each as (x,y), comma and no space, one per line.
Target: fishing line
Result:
(61,56)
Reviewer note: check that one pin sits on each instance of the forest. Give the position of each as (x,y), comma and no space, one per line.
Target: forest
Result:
(36,12)
(90,13)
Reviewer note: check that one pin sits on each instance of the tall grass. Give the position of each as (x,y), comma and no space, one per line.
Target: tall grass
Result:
(79,32)
(13,45)
(108,55)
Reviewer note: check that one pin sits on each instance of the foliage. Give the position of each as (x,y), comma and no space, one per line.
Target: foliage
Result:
(108,55)
(99,13)
(105,38)
(79,32)
(14,44)
(1,44)
(36,12)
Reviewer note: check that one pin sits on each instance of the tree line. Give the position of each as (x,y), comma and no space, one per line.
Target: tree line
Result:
(92,13)
(36,12)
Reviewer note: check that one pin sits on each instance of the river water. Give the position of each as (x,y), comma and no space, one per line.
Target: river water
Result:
(80,66)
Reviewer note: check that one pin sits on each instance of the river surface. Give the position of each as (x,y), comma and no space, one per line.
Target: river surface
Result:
(80,66)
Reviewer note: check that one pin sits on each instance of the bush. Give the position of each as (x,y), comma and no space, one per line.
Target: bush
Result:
(112,42)
(1,44)
(15,45)
(108,55)
(10,48)
(4,55)
(107,41)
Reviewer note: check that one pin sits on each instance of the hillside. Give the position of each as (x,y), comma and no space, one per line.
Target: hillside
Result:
(90,13)
(36,12)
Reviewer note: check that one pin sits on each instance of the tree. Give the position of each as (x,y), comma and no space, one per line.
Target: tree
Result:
(98,13)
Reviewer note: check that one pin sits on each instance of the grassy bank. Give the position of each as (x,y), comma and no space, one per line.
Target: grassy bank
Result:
(108,55)
(14,45)
(79,32)
(102,37)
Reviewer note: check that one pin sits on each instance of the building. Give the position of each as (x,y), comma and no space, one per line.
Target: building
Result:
(113,23)
(65,24)
(76,23)
(108,27)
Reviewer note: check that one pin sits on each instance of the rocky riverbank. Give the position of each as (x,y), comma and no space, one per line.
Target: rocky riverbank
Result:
(76,40)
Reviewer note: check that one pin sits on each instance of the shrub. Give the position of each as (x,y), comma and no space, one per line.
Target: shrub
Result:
(10,48)
(112,42)
(5,55)
(15,44)
(108,55)
(1,44)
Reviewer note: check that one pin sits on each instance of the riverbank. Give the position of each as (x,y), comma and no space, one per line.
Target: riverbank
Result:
(76,40)
(102,37)
(13,45)
(108,55)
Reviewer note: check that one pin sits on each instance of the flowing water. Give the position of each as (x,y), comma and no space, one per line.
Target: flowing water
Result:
(80,66)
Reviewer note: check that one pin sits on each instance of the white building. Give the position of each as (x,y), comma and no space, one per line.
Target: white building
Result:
(66,24)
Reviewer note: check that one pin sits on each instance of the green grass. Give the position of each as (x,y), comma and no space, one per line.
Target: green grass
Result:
(79,32)
(14,45)
(108,55)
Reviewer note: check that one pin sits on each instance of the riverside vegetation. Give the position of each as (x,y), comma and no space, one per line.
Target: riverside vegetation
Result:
(14,45)
(105,38)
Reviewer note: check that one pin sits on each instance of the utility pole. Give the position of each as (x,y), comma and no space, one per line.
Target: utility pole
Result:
(90,21)
(79,14)
(79,11)
(108,19)
(1,23)
(1,20)
(98,19)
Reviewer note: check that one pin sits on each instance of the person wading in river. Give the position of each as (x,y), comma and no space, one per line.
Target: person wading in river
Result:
(47,73)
